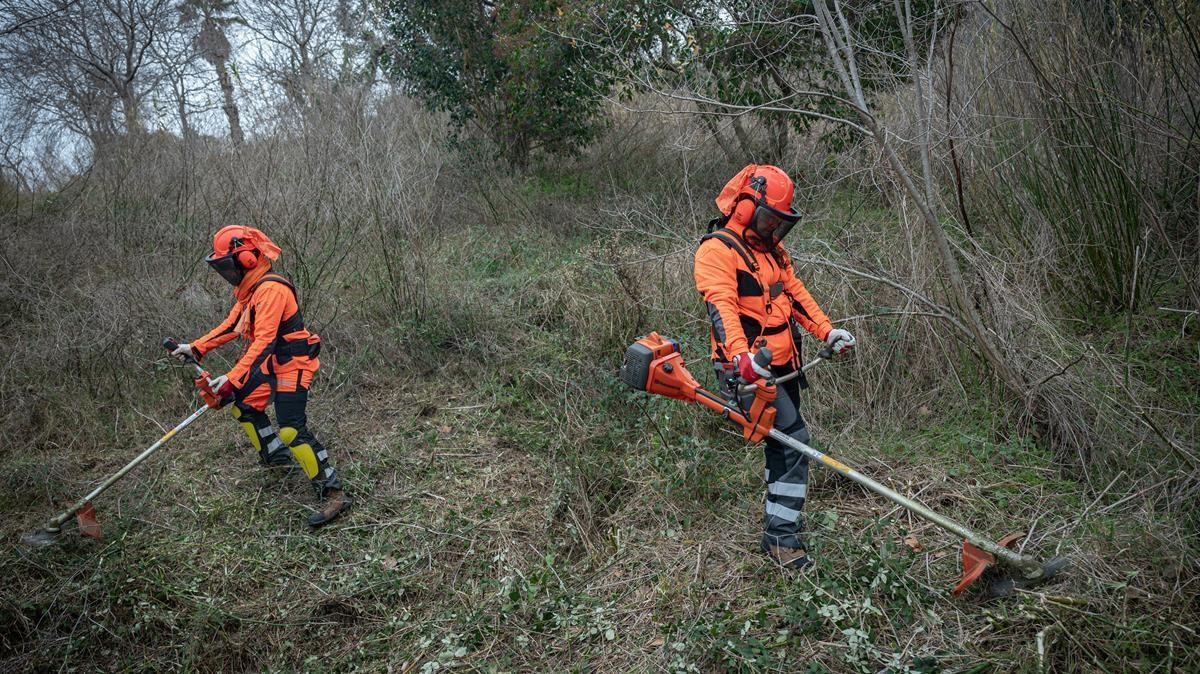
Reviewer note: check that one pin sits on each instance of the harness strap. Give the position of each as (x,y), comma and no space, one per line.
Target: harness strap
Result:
(732,240)
(284,349)
(268,278)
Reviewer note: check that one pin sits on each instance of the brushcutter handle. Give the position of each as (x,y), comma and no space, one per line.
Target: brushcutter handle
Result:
(170,345)
(763,357)
(825,353)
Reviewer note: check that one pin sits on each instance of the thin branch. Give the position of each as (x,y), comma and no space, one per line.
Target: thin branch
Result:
(1060,373)
(745,109)
(942,311)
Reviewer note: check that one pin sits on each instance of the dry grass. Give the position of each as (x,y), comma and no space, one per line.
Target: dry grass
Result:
(518,509)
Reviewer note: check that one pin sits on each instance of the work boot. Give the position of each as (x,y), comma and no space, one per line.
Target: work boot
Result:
(276,459)
(794,559)
(336,503)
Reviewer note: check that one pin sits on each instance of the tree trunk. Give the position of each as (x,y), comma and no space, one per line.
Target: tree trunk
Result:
(133,124)
(715,130)
(743,138)
(780,139)
(185,126)
(837,36)
(230,106)
(983,339)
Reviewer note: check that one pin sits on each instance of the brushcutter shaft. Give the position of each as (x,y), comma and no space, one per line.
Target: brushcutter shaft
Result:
(653,364)
(56,523)
(1027,565)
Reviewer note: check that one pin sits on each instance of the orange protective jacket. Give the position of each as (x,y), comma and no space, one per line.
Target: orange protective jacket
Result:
(747,302)
(266,316)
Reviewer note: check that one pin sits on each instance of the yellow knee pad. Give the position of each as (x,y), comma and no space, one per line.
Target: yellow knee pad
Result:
(251,431)
(305,456)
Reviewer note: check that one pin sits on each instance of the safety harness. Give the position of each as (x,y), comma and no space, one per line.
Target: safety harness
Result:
(751,327)
(283,349)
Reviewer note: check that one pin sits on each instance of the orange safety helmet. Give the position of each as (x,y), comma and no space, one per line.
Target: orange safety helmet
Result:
(767,213)
(237,249)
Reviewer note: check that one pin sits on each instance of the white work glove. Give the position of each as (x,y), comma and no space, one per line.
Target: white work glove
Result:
(219,391)
(183,352)
(221,386)
(840,341)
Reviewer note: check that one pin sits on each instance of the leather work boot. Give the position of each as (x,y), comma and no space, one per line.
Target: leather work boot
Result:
(336,503)
(794,559)
(276,459)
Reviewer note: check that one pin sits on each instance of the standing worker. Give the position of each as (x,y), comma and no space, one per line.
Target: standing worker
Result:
(277,363)
(754,300)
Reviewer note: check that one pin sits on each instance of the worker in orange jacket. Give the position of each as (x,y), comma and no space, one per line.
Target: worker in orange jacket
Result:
(754,300)
(278,361)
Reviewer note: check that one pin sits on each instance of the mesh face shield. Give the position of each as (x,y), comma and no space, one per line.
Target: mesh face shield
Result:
(227,267)
(770,225)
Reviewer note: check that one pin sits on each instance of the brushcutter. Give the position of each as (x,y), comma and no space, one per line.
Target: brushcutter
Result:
(83,510)
(655,365)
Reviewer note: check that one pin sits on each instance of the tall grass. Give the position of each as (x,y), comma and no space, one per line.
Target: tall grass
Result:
(1081,145)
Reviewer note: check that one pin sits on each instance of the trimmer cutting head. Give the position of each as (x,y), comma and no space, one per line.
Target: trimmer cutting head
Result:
(85,517)
(976,562)
(1008,586)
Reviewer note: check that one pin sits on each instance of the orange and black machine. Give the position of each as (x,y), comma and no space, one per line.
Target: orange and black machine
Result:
(654,364)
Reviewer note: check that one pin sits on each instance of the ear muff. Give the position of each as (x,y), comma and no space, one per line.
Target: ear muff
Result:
(744,211)
(246,259)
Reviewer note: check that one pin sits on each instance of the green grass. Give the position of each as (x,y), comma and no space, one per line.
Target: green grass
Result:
(520,510)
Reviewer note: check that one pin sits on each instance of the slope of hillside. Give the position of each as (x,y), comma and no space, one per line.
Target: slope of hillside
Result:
(519,510)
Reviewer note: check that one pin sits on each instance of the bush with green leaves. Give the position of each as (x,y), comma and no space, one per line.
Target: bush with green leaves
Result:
(503,71)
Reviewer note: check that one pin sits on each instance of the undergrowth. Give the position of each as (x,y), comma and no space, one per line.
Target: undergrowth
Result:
(518,508)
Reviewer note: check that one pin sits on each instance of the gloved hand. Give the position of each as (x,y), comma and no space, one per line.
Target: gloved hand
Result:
(217,392)
(221,386)
(840,340)
(184,351)
(748,370)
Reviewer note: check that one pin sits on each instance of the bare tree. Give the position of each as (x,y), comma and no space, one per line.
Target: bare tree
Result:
(842,48)
(75,63)
(298,40)
(213,19)
(310,46)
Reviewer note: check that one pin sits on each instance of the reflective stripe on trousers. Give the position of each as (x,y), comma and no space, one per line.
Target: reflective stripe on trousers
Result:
(786,472)
(293,435)
(308,451)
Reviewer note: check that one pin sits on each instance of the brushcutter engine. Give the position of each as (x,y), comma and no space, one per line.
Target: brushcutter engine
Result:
(654,364)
